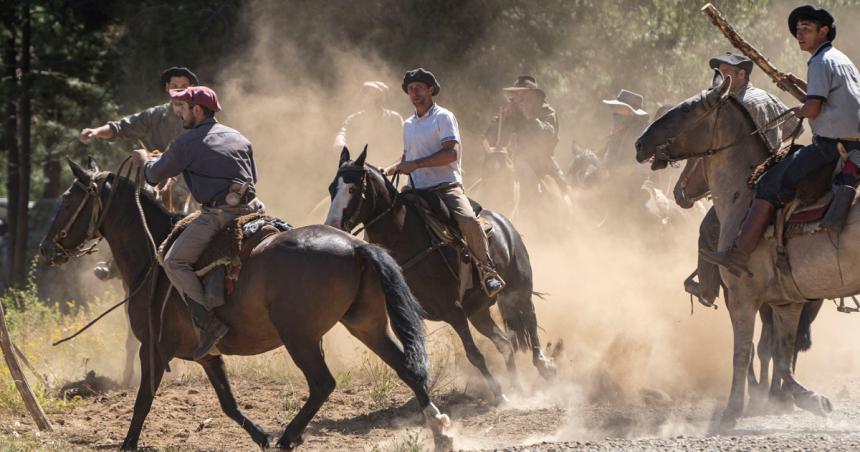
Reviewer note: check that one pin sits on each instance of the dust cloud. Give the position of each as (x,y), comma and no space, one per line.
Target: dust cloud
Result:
(615,295)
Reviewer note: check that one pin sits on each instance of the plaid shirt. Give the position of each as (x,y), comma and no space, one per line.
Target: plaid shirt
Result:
(764,107)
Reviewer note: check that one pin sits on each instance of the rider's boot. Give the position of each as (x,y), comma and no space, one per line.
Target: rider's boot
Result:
(492,283)
(837,213)
(759,216)
(211,329)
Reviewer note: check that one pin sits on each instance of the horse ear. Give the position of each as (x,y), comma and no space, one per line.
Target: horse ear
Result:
(80,173)
(361,157)
(720,92)
(344,156)
(718,79)
(92,165)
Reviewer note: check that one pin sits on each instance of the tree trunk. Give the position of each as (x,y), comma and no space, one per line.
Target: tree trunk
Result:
(24,124)
(10,134)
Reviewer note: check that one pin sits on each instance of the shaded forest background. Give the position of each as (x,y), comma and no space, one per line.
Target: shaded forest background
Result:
(69,64)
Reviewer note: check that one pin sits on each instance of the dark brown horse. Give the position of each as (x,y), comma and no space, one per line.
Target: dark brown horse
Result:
(362,195)
(293,288)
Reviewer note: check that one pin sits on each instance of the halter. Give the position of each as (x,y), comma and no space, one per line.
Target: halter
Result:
(662,152)
(352,221)
(92,191)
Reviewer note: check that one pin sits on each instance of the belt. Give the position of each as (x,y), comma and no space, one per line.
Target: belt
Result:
(221,201)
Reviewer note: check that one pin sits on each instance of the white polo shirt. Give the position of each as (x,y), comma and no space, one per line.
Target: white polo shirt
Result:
(423,136)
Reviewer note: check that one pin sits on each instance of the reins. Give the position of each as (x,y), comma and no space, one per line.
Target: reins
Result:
(93,190)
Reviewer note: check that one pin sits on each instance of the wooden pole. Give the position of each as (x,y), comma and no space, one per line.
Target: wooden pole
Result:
(778,77)
(20,382)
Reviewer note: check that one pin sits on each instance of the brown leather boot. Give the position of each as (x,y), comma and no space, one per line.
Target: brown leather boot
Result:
(759,216)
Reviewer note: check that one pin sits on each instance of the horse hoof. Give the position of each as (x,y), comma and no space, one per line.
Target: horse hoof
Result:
(547,370)
(724,422)
(285,444)
(815,403)
(443,443)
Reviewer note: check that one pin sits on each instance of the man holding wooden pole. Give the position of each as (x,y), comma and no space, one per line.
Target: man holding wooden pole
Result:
(832,105)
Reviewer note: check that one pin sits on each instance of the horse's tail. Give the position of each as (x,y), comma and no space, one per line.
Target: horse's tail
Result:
(518,315)
(804,328)
(404,312)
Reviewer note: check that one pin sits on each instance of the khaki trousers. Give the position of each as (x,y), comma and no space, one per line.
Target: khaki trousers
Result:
(455,199)
(183,254)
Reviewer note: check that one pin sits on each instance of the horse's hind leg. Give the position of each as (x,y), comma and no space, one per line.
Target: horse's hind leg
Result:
(150,378)
(461,327)
(214,367)
(786,318)
(484,323)
(308,356)
(378,338)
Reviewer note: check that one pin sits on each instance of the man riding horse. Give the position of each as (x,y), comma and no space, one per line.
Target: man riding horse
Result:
(218,164)
(833,108)
(156,127)
(763,107)
(529,128)
(431,157)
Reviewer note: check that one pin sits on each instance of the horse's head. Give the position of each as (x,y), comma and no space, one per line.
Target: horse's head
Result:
(686,131)
(356,192)
(74,230)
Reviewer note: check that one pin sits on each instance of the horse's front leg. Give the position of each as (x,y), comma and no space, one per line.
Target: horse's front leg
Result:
(150,378)
(742,311)
(214,367)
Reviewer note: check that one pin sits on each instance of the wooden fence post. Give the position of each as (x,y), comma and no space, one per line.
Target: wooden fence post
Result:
(20,382)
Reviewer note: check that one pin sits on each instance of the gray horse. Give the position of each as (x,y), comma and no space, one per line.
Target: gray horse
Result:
(692,186)
(713,125)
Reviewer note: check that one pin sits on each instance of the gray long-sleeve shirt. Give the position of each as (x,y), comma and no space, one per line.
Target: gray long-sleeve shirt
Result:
(211,156)
(156,126)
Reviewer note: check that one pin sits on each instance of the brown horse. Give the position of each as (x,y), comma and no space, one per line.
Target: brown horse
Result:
(362,195)
(295,286)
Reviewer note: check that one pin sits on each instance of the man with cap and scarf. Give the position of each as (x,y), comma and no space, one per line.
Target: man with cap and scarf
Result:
(528,127)
(431,157)
(763,107)
(833,108)
(156,126)
(374,125)
(218,164)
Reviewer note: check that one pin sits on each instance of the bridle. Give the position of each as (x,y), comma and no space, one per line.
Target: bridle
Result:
(92,191)
(354,219)
(662,152)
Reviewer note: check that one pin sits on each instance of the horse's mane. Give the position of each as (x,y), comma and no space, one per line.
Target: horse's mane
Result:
(153,210)
(773,158)
(377,172)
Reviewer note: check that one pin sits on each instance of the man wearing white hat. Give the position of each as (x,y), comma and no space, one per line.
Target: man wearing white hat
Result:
(628,122)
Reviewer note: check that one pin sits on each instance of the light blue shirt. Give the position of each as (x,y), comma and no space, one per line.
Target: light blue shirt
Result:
(834,79)
(423,136)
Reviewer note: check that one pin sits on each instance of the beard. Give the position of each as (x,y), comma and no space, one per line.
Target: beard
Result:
(188,123)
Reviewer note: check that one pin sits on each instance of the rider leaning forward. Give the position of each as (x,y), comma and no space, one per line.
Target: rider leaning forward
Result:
(218,164)
(833,108)
(431,158)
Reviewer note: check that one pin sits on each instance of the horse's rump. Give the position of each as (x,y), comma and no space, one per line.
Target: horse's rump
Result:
(231,243)
(824,265)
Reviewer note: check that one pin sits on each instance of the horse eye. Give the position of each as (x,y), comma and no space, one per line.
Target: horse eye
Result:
(351,190)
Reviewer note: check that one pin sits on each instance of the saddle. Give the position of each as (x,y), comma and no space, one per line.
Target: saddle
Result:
(231,246)
(438,217)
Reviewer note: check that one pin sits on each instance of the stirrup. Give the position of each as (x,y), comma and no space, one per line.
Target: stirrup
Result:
(723,259)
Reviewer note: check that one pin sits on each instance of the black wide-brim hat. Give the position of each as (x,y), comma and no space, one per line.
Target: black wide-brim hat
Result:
(816,12)
(177,71)
(732,59)
(525,83)
(421,75)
